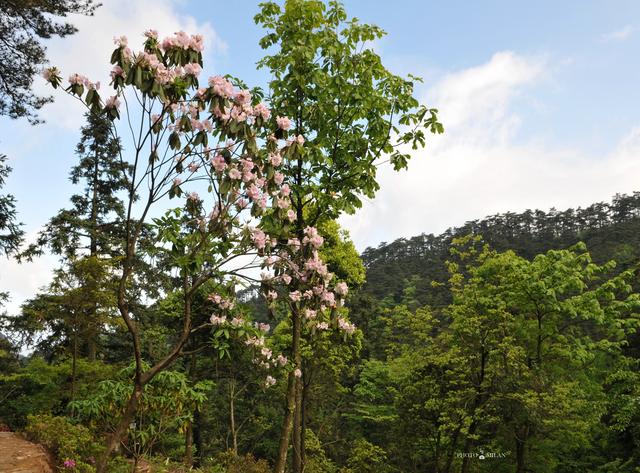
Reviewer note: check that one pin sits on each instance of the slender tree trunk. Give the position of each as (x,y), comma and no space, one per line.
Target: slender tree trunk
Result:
(285,433)
(116,436)
(232,416)
(92,323)
(297,427)
(303,410)
(521,444)
(188,445)
(197,437)
(188,436)
(468,446)
(74,365)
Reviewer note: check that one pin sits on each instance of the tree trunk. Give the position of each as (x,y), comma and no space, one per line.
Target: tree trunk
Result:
(303,410)
(188,445)
(74,365)
(116,436)
(285,433)
(521,444)
(468,446)
(297,427)
(232,416)
(197,437)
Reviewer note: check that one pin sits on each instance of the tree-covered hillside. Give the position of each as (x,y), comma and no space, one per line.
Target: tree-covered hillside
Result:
(611,231)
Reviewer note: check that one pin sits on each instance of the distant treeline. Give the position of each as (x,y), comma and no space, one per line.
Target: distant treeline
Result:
(610,231)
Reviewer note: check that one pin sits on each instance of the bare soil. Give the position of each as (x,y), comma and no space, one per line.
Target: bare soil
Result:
(18,455)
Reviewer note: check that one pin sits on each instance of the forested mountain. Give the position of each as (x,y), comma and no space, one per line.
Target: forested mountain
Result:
(611,231)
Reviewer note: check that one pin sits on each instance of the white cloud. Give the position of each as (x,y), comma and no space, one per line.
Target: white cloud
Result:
(478,168)
(23,280)
(618,35)
(89,50)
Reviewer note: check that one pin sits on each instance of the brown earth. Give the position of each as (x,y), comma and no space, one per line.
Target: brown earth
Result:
(18,455)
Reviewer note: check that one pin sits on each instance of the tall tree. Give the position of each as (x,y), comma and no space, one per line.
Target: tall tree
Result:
(23,26)
(87,235)
(346,113)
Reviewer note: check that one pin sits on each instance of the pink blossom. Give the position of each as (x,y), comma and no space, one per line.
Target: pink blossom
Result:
(262,110)
(117,71)
(297,373)
(253,192)
(278,178)
(342,288)
(293,242)
(151,34)
(285,278)
(295,296)
(120,41)
(112,102)
(285,190)
(237,321)
(234,174)
(215,298)
(323,326)
(300,139)
(77,79)
(259,238)
(275,159)
(310,314)
(69,464)
(283,123)
(346,326)
(197,43)
(193,196)
(272,295)
(281,360)
(264,327)
(291,215)
(217,320)
(219,163)
(267,353)
(270,381)
(221,86)
(193,166)
(177,181)
(329,298)
(192,69)
(283,203)
(242,96)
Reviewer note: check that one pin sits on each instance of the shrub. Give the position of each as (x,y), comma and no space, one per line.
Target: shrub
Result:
(367,458)
(65,440)
(229,462)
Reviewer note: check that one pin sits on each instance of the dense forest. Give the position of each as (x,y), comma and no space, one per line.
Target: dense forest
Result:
(209,314)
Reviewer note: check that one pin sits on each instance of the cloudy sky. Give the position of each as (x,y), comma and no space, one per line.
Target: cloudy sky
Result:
(539,100)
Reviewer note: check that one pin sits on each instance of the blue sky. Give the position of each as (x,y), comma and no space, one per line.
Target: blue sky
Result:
(539,100)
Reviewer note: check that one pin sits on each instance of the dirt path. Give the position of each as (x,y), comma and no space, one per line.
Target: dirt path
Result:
(20,456)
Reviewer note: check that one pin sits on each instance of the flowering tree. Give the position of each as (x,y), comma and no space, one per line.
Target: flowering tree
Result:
(185,137)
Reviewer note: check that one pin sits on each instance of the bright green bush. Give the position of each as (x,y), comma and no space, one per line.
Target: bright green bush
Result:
(367,458)
(228,462)
(65,440)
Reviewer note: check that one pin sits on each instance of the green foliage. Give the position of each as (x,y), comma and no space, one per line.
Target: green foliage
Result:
(229,462)
(65,440)
(166,405)
(366,458)
(341,98)
(45,388)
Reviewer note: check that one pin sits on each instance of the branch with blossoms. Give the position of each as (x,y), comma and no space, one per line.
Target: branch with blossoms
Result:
(183,135)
